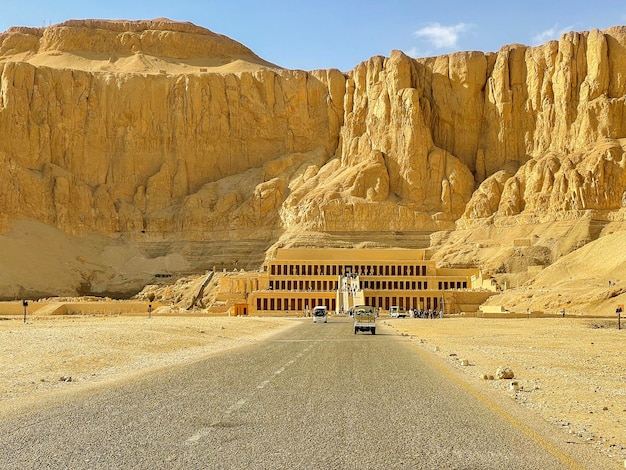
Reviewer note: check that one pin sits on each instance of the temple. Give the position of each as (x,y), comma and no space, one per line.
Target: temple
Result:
(299,279)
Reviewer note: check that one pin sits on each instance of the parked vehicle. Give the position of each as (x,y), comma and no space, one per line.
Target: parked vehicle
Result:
(397,312)
(320,315)
(364,319)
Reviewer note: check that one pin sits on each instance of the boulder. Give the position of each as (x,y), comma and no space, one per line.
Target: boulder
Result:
(504,373)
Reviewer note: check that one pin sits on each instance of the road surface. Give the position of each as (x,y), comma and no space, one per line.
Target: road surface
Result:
(317,396)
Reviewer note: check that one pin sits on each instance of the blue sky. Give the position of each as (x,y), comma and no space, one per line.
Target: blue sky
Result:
(340,34)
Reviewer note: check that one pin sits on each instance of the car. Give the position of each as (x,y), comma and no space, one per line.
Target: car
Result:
(397,312)
(320,315)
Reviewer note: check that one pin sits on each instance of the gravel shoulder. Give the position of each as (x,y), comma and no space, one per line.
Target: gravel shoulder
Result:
(567,370)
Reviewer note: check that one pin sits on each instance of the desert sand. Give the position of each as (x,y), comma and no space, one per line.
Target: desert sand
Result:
(47,358)
(568,370)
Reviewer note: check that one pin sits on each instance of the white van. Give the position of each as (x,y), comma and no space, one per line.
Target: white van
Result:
(397,312)
(320,315)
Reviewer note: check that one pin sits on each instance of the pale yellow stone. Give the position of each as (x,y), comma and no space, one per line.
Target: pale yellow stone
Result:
(158,131)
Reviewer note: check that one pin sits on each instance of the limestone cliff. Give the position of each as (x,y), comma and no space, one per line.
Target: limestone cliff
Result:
(143,147)
(158,133)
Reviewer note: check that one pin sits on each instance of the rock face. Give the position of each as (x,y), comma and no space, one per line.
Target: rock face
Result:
(155,132)
(117,151)
(553,185)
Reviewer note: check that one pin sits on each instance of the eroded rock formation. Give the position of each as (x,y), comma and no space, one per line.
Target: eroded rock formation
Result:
(145,149)
(157,131)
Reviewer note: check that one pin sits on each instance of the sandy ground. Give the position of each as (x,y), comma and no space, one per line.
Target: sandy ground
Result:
(44,359)
(568,370)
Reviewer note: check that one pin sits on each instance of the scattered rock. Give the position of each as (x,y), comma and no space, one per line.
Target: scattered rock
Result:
(65,378)
(514,386)
(504,373)
(464,362)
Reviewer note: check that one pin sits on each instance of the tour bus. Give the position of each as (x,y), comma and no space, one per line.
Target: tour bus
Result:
(320,315)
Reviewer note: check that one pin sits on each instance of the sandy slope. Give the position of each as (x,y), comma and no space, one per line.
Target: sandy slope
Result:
(143,64)
(590,280)
(40,260)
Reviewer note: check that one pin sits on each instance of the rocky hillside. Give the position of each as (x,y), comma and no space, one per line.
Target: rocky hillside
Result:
(166,141)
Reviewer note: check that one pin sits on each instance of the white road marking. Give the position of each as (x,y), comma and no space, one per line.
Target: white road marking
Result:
(236,406)
(202,432)
(205,431)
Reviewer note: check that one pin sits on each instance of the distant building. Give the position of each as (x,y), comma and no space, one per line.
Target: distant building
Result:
(299,279)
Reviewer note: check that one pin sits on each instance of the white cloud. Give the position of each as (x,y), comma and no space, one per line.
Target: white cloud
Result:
(549,34)
(415,53)
(440,36)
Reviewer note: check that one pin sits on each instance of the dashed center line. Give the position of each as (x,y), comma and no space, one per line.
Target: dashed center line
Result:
(236,406)
(206,431)
(263,384)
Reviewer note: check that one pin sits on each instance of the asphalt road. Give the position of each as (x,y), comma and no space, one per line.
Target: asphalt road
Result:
(316,397)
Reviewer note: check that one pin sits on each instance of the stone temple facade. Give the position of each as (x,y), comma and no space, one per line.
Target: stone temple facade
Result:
(297,280)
